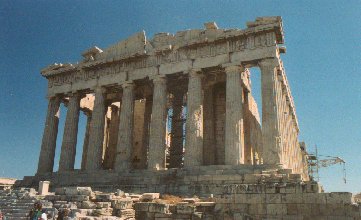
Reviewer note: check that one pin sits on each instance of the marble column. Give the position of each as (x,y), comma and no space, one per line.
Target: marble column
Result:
(147,118)
(48,144)
(271,148)
(86,139)
(96,134)
(156,155)
(111,150)
(125,135)
(234,139)
(194,125)
(68,147)
(176,140)
(209,141)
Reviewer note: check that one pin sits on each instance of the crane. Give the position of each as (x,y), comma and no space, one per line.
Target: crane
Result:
(316,161)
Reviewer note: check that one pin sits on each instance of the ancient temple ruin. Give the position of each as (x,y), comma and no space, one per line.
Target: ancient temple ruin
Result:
(175,115)
(175,102)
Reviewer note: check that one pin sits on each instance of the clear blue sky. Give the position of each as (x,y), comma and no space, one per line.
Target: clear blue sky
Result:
(322,64)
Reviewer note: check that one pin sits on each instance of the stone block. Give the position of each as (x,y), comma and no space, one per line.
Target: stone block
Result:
(313,187)
(255,198)
(318,198)
(339,218)
(71,190)
(292,209)
(339,198)
(257,209)
(126,213)
(273,198)
(159,208)
(185,208)
(190,200)
(292,198)
(304,208)
(276,209)
(163,215)
(147,197)
(178,216)
(103,212)
(294,217)
(88,205)
(122,204)
(237,207)
(101,205)
(87,191)
(60,191)
(76,198)
(43,187)
(104,197)
(142,206)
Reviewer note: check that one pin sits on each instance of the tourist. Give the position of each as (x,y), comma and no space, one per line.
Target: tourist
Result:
(65,215)
(37,213)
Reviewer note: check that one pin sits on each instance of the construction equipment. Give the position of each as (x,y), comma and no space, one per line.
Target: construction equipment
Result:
(316,161)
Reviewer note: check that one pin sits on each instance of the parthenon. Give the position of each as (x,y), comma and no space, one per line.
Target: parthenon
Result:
(173,131)
(203,72)
(176,101)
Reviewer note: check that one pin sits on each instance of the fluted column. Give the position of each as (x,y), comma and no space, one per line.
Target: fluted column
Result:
(96,135)
(48,144)
(234,139)
(147,117)
(86,140)
(176,140)
(194,125)
(271,148)
(209,140)
(111,150)
(68,147)
(156,155)
(125,135)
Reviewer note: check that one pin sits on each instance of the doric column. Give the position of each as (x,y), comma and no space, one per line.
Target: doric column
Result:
(68,147)
(110,153)
(270,129)
(209,141)
(176,140)
(147,118)
(194,124)
(234,140)
(86,139)
(48,144)
(156,155)
(125,135)
(96,135)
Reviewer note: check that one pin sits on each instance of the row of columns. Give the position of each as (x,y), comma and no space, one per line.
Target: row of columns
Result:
(92,157)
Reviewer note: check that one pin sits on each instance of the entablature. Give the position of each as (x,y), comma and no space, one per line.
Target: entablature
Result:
(167,53)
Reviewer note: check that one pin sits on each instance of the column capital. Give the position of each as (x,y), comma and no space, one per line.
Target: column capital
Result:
(269,62)
(158,78)
(75,94)
(99,89)
(233,69)
(127,84)
(54,97)
(194,72)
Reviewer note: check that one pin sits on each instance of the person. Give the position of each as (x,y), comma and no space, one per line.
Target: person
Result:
(37,213)
(65,215)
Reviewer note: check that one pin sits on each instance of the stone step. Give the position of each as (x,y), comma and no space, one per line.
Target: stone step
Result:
(16,218)
(19,214)
(24,210)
